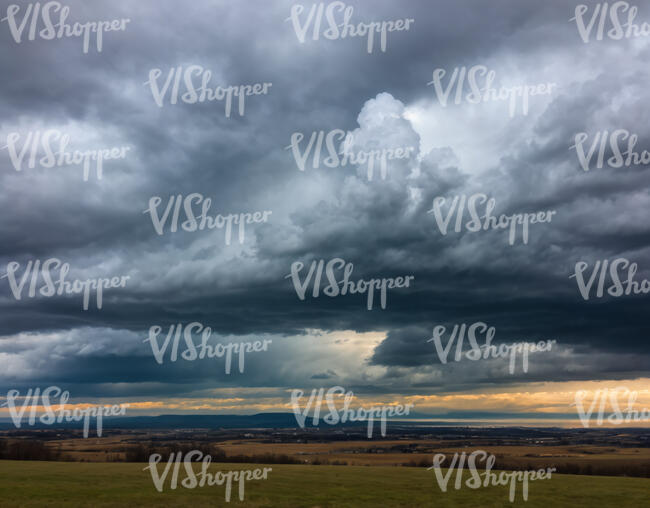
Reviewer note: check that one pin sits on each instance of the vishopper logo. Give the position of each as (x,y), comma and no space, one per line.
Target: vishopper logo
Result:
(229,222)
(480,88)
(345,415)
(58,286)
(204,477)
(619,286)
(58,28)
(205,350)
(621,156)
(489,478)
(344,155)
(600,399)
(338,16)
(202,93)
(54,416)
(332,289)
(487,221)
(61,157)
(487,350)
(604,16)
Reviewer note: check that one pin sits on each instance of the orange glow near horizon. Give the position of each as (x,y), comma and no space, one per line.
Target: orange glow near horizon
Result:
(542,398)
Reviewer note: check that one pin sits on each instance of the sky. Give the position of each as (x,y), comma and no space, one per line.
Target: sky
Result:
(240,285)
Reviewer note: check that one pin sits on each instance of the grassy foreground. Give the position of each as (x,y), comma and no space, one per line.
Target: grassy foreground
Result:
(72,484)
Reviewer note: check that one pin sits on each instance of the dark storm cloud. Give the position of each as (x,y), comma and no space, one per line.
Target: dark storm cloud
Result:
(381,226)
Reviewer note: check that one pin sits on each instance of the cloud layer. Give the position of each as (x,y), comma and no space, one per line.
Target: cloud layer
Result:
(382,226)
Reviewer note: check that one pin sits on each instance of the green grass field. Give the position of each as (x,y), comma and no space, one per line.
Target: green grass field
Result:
(54,484)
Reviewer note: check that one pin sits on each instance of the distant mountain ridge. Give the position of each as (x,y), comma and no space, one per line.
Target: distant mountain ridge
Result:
(268,421)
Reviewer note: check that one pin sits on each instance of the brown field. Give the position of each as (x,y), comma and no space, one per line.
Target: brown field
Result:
(374,453)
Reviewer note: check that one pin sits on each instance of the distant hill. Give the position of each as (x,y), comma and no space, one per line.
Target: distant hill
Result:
(288,420)
(260,421)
